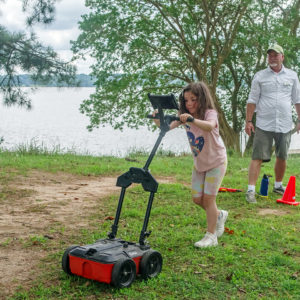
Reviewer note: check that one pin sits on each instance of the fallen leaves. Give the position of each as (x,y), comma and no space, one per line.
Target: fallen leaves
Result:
(48,237)
(287,253)
(109,218)
(203,266)
(197,273)
(229,277)
(295,275)
(228,231)
(231,231)
(242,290)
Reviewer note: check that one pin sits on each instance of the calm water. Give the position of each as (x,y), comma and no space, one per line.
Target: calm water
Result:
(55,122)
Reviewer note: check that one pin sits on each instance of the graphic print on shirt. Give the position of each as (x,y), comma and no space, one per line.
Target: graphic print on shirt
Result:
(196,144)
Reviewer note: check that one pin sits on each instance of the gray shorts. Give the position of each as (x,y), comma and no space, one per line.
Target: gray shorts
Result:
(263,141)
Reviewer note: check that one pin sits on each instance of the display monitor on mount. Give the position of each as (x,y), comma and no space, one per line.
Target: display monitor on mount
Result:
(163,101)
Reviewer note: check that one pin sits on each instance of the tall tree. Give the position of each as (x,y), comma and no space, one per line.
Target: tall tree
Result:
(143,46)
(22,53)
(155,46)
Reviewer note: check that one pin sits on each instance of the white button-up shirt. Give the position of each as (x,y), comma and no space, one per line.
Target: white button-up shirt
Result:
(273,93)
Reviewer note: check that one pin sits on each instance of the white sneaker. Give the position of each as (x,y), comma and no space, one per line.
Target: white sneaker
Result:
(279,190)
(220,222)
(250,197)
(209,240)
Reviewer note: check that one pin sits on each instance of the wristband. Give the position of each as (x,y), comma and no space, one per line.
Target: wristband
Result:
(249,121)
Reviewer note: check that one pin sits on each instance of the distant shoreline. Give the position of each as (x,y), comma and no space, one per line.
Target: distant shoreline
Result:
(26,81)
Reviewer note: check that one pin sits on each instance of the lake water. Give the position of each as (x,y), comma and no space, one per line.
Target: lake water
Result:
(56,123)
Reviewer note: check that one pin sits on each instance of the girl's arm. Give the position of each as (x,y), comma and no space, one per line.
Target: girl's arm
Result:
(207,125)
(173,124)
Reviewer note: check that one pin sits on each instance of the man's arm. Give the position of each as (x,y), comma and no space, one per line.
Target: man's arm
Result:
(253,99)
(297,106)
(250,108)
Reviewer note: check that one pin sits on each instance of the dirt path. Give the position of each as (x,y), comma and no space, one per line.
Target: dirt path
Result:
(40,204)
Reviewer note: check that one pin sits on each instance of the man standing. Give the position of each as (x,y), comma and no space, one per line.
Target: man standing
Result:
(273,90)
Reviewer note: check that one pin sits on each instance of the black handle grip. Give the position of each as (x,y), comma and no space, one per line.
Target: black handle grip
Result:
(189,119)
(173,118)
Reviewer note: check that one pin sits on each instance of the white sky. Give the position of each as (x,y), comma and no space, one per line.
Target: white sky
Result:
(58,34)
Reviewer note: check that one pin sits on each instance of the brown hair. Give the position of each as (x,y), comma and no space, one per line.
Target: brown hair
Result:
(204,98)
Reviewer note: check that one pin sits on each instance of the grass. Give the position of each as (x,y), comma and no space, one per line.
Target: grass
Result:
(259,259)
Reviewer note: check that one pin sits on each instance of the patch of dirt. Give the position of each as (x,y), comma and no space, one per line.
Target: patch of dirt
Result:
(269,211)
(40,204)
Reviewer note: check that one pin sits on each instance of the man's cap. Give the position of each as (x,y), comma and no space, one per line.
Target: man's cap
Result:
(276,48)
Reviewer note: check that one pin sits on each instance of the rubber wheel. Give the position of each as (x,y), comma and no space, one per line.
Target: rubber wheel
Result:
(151,264)
(65,260)
(123,273)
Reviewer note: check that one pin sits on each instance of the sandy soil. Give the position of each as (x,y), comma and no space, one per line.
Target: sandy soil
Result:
(269,211)
(40,204)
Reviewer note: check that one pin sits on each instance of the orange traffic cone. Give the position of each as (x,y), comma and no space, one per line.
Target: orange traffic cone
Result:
(290,192)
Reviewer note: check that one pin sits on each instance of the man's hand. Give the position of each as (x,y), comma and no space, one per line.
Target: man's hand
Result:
(298,127)
(249,128)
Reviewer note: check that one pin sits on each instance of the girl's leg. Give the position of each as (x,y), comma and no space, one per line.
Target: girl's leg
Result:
(210,206)
(205,200)
(197,187)
(215,218)
(198,201)
(212,182)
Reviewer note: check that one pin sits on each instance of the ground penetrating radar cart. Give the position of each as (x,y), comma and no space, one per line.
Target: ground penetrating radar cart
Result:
(113,260)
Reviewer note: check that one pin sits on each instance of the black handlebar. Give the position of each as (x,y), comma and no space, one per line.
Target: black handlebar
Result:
(170,118)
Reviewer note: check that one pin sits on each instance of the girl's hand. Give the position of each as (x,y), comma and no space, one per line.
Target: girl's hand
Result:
(156,121)
(184,117)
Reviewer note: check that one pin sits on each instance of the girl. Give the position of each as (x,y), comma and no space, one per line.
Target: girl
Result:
(209,153)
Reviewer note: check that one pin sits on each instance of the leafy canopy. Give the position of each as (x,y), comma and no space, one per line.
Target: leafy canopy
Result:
(143,46)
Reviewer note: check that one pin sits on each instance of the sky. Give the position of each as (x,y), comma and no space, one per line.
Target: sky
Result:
(56,35)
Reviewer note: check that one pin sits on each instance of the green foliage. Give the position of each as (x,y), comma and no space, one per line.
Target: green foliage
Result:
(152,46)
(40,11)
(22,53)
(159,46)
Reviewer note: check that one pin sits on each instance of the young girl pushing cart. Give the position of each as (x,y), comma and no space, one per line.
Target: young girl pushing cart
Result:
(199,117)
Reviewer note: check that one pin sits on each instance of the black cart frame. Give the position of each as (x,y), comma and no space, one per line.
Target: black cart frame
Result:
(143,175)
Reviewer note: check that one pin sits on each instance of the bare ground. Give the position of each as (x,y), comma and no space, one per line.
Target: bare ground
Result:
(43,206)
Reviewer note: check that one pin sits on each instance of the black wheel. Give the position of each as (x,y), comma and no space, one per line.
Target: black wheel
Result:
(123,273)
(65,260)
(151,264)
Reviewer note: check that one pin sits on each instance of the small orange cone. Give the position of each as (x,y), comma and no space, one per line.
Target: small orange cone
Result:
(290,193)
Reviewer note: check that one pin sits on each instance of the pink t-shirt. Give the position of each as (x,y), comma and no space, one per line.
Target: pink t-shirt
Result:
(207,146)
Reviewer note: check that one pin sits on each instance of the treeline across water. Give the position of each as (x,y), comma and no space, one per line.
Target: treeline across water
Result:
(25,80)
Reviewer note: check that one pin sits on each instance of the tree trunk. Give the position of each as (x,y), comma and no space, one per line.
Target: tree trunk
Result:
(230,138)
